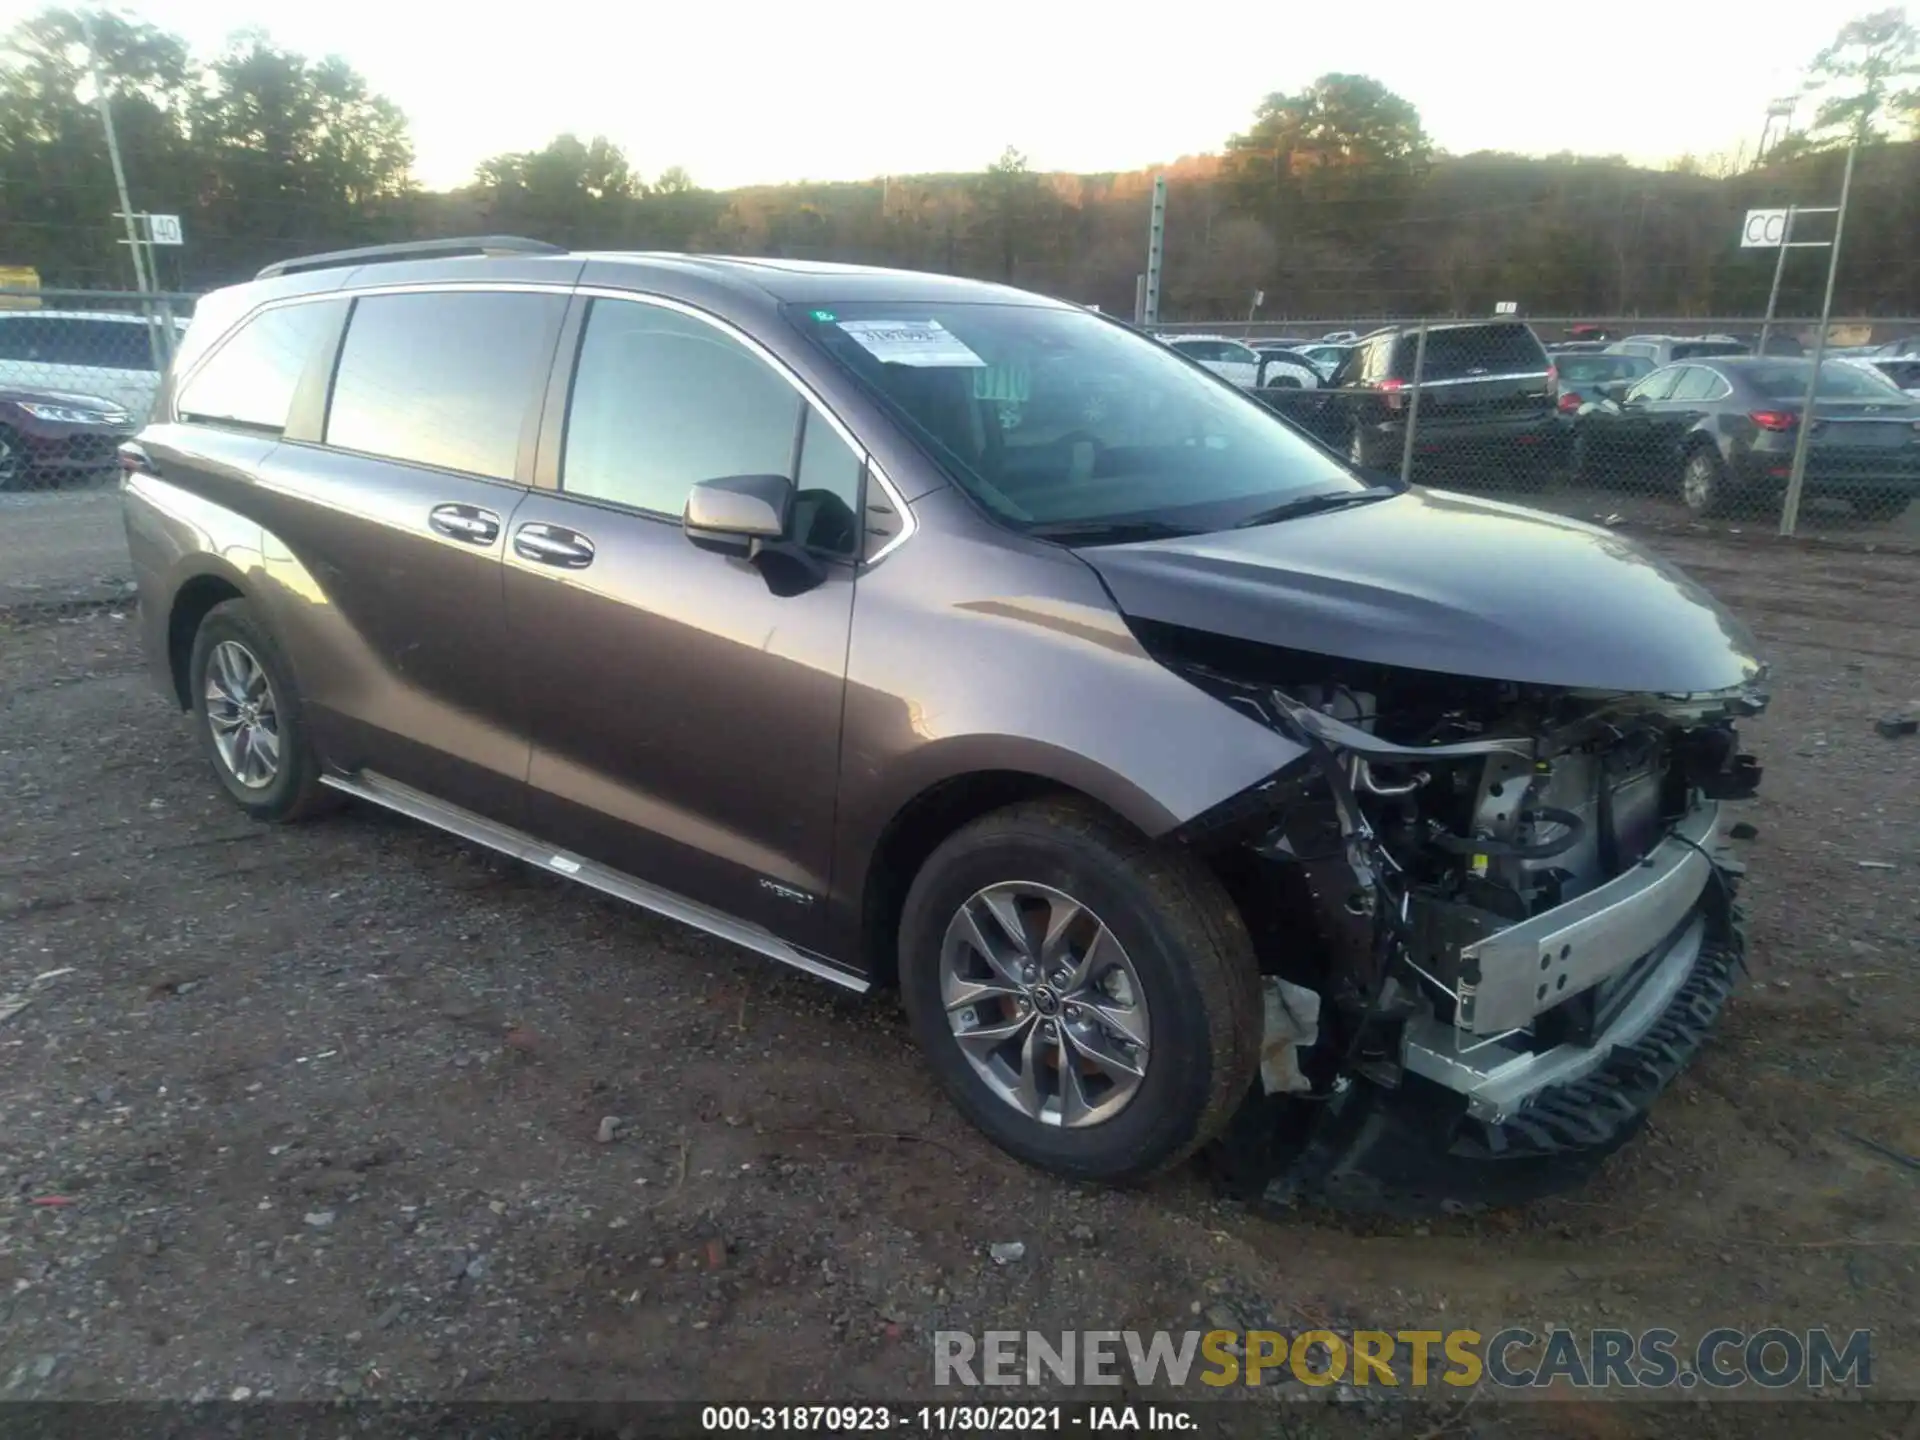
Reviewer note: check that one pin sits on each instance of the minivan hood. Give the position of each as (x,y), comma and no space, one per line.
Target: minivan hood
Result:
(1436,581)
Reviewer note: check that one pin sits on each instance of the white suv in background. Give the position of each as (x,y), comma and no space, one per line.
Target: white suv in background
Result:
(96,353)
(1231,360)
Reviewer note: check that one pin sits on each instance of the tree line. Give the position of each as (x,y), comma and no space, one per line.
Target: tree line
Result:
(1333,201)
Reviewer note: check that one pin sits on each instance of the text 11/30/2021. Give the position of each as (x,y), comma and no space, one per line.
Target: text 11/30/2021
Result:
(943,1419)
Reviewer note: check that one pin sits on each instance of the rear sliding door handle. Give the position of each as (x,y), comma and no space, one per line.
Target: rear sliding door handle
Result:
(553,545)
(465,522)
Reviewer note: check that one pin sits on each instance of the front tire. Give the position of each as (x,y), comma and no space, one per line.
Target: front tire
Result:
(249,718)
(1090,1000)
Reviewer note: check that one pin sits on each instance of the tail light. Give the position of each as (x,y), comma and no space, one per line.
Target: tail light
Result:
(1774,419)
(1569,402)
(1394,390)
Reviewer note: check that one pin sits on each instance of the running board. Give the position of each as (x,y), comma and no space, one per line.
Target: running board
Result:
(418,806)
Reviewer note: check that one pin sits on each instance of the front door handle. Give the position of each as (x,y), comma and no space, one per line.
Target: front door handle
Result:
(553,545)
(465,522)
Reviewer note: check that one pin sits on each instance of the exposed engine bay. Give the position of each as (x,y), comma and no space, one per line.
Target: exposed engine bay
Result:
(1475,885)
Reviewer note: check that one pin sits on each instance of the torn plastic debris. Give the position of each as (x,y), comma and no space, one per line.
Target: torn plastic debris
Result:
(1292,1029)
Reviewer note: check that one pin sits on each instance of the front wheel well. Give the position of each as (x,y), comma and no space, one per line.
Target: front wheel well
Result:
(916,832)
(190,606)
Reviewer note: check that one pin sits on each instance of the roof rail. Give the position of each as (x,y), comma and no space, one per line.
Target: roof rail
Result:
(413,250)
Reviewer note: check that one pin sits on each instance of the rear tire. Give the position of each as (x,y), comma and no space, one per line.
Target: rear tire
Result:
(1154,970)
(249,718)
(1705,487)
(1579,460)
(13,461)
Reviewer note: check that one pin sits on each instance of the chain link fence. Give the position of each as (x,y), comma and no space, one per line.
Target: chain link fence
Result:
(78,374)
(1633,423)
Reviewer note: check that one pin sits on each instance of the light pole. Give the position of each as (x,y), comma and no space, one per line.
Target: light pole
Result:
(1797,478)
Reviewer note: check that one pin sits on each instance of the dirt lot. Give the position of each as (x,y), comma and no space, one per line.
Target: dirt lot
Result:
(319,1105)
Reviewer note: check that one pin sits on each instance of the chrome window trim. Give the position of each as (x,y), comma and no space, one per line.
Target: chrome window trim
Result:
(909,525)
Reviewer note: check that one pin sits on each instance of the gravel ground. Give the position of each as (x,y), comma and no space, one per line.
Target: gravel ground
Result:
(354,1109)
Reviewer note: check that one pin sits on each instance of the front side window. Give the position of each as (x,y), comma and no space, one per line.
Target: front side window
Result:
(250,380)
(447,379)
(1056,418)
(662,401)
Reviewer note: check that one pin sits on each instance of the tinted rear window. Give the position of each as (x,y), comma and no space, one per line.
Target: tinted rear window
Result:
(70,340)
(1593,369)
(1704,349)
(1466,350)
(1787,380)
(443,379)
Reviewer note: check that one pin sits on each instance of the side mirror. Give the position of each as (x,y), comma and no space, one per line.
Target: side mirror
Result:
(733,514)
(748,517)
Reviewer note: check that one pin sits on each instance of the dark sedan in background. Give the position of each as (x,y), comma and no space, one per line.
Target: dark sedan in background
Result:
(47,436)
(1722,431)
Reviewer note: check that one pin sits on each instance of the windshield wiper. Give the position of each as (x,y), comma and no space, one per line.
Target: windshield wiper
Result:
(1316,504)
(1110,532)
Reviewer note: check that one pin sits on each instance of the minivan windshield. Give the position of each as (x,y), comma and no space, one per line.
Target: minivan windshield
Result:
(1062,423)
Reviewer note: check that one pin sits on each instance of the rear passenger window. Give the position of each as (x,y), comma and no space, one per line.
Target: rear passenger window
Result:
(250,380)
(1696,382)
(449,379)
(1656,386)
(662,401)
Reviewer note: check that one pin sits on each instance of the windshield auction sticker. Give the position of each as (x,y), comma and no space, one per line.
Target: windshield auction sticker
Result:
(923,343)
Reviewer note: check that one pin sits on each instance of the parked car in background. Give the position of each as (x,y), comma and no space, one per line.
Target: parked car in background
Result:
(1229,359)
(1340,337)
(1576,347)
(1486,402)
(1665,349)
(757,593)
(1283,369)
(1324,357)
(1583,374)
(47,436)
(97,353)
(1720,432)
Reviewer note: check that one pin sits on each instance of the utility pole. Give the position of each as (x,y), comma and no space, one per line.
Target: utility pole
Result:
(1156,250)
(1779,267)
(1797,478)
(113,150)
(160,348)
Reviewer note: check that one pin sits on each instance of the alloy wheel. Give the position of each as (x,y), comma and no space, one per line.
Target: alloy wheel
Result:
(243,715)
(1045,1004)
(1697,483)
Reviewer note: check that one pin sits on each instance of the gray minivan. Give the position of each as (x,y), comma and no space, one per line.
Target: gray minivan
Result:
(920,632)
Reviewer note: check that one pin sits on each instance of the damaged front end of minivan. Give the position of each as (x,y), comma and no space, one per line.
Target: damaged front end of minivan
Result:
(1495,919)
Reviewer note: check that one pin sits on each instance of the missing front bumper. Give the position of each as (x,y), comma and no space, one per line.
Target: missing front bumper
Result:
(1420,1149)
(1514,975)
